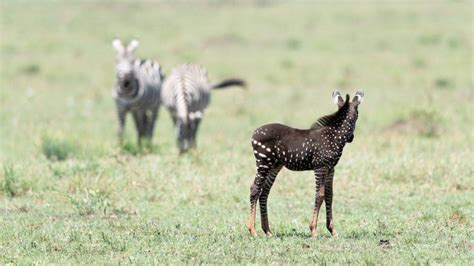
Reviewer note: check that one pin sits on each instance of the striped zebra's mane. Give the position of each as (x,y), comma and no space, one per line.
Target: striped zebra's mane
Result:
(332,119)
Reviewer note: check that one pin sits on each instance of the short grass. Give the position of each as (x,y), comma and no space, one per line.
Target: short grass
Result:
(404,189)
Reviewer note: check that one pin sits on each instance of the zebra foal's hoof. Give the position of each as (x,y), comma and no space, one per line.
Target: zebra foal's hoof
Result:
(253,232)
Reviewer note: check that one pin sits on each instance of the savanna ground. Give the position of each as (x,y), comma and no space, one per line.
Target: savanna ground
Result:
(404,189)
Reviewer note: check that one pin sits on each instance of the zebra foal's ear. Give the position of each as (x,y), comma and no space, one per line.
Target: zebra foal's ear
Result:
(132,46)
(117,44)
(358,97)
(337,98)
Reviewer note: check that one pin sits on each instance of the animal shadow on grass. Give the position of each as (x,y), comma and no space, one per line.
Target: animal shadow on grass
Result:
(136,150)
(192,156)
(293,233)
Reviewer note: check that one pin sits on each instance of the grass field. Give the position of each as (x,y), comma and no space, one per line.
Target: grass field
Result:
(407,178)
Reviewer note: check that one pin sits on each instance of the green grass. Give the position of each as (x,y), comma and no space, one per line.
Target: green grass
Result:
(404,188)
(9,181)
(56,149)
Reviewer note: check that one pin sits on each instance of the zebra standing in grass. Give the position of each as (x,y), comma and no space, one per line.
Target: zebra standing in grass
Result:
(137,89)
(319,149)
(186,94)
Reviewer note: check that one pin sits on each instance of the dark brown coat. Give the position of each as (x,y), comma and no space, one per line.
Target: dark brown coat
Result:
(318,148)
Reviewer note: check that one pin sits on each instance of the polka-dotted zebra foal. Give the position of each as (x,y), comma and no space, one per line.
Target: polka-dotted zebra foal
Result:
(318,148)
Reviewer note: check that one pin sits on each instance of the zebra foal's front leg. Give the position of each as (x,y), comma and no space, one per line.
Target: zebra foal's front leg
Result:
(320,174)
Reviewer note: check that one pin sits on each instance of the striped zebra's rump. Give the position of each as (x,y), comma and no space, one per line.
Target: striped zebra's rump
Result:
(186,94)
(137,90)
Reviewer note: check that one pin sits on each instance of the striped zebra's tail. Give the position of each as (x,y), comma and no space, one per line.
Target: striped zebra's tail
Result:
(229,82)
(182,122)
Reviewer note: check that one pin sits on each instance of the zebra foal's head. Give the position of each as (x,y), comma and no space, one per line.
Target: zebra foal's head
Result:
(348,111)
(126,78)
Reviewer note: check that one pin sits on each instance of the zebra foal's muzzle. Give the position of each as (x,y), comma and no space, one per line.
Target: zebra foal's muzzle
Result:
(351,138)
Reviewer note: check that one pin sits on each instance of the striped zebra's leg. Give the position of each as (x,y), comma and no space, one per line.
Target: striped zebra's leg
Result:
(320,175)
(255,191)
(145,125)
(194,130)
(267,186)
(328,201)
(151,124)
(183,135)
(140,123)
(179,131)
(121,116)
(174,119)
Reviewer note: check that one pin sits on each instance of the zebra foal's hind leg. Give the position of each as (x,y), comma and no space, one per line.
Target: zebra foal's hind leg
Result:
(267,186)
(320,176)
(255,191)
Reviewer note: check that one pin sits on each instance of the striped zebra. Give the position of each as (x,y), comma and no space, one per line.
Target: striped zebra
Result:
(186,94)
(137,89)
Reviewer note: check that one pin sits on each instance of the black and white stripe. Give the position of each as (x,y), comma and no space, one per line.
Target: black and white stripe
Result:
(137,89)
(186,94)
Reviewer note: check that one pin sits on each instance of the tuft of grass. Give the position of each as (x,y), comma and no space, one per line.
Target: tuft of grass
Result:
(430,39)
(94,201)
(458,218)
(15,185)
(454,43)
(293,44)
(428,121)
(56,149)
(135,149)
(10,181)
(422,122)
(443,83)
(287,63)
(419,63)
(31,69)
(130,148)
